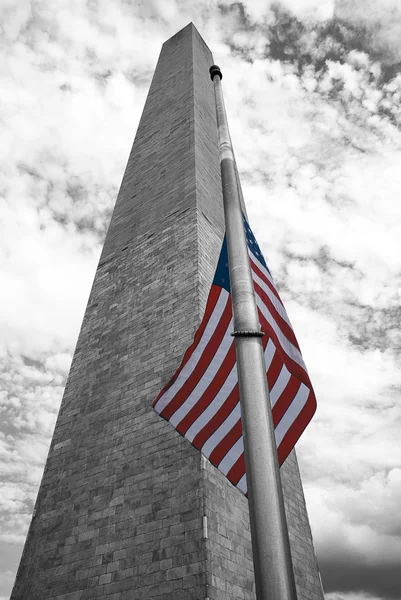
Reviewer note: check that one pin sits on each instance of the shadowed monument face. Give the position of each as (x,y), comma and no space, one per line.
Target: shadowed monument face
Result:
(121,509)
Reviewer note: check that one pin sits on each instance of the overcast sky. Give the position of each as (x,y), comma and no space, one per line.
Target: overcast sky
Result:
(313,91)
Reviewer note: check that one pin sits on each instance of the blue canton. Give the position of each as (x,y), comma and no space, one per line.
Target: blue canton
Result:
(221,277)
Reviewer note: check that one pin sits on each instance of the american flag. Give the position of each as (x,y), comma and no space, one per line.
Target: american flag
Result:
(202,400)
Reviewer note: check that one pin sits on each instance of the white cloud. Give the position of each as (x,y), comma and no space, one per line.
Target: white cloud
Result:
(59,362)
(311,9)
(352,596)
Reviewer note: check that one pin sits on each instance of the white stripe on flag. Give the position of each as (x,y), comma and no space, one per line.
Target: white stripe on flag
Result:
(213,322)
(286,345)
(232,456)
(272,297)
(241,485)
(214,406)
(206,378)
(261,268)
(222,431)
(292,412)
(269,353)
(280,384)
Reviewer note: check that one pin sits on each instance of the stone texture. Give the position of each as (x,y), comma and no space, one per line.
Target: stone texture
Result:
(120,511)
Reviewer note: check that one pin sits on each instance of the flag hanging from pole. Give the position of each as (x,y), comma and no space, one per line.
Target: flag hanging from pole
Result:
(201,400)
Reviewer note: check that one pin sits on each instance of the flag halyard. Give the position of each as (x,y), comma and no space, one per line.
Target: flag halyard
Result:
(201,400)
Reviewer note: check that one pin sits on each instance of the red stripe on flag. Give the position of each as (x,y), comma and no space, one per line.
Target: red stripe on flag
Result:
(285,399)
(237,470)
(285,328)
(267,281)
(221,415)
(210,392)
(214,295)
(204,361)
(293,367)
(296,429)
(274,370)
(226,444)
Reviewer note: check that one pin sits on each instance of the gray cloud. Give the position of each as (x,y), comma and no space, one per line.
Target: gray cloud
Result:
(343,576)
(379,24)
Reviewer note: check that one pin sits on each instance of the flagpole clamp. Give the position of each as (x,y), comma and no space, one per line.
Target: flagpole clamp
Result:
(247,334)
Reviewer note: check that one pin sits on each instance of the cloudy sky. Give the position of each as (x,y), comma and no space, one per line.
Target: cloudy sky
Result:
(316,130)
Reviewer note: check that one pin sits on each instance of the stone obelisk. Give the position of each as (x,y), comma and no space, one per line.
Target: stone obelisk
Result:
(127,509)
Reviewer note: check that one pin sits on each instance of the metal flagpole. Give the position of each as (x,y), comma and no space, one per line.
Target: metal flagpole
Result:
(274,577)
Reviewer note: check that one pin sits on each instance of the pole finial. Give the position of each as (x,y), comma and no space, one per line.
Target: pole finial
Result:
(215,70)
